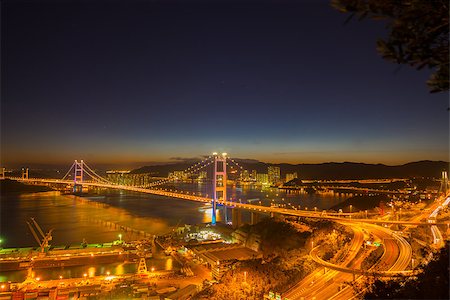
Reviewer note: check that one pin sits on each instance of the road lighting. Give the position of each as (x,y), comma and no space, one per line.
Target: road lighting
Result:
(245,276)
(120,237)
(85,275)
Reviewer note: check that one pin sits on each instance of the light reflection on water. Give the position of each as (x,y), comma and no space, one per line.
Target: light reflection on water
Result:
(90,271)
(98,219)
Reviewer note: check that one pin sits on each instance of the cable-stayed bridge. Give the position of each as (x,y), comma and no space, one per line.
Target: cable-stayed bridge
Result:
(80,174)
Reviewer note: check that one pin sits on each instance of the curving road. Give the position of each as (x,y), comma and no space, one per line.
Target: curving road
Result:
(323,284)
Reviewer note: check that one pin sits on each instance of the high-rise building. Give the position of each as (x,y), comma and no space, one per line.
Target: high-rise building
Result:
(262,178)
(118,177)
(245,176)
(202,175)
(274,174)
(253,175)
(180,175)
(290,176)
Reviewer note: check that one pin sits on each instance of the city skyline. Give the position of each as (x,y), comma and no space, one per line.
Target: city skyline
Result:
(290,84)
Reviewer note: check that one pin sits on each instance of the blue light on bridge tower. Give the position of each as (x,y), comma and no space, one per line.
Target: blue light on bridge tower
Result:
(219,182)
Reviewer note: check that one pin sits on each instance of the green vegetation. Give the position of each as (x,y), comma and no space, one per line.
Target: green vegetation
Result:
(285,262)
(373,257)
(13,187)
(252,279)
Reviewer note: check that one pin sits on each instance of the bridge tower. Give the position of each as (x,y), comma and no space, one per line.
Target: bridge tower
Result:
(219,182)
(24,173)
(78,176)
(3,173)
(444,183)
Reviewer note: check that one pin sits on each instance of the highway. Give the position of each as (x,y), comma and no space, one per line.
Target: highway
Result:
(316,281)
(325,285)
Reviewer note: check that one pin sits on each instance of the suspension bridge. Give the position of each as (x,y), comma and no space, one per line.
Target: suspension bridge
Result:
(81,175)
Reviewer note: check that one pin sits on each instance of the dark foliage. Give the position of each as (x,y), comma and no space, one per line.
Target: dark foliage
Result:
(13,187)
(433,283)
(418,33)
(277,235)
(361,202)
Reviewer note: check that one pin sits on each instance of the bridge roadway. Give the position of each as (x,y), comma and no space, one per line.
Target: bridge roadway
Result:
(245,206)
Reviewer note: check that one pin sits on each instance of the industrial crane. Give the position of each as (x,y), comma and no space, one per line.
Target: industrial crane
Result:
(45,237)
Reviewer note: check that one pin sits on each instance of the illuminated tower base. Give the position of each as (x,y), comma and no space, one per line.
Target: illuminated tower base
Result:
(219,182)
(78,177)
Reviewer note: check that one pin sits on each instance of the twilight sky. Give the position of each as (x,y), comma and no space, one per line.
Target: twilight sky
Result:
(143,81)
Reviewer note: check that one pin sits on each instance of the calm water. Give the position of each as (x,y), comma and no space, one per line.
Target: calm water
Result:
(74,218)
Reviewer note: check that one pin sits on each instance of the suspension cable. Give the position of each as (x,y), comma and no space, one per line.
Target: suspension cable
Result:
(70,169)
(96,176)
(189,171)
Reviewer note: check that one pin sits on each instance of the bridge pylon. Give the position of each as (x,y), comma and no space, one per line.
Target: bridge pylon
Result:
(78,176)
(444,188)
(25,173)
(219,182)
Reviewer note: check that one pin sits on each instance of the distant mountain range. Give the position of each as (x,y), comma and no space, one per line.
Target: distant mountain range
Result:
(325,171)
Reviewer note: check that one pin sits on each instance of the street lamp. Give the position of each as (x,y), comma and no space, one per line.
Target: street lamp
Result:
(245,276)
(120,237)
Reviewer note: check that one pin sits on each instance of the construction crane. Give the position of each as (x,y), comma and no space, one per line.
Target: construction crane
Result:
(44,238)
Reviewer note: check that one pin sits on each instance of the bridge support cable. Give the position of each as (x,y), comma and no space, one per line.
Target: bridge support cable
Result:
(68,172)
(94,175)
(188,171)
(241,169)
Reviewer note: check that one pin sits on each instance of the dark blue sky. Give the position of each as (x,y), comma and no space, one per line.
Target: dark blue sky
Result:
(142,81)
